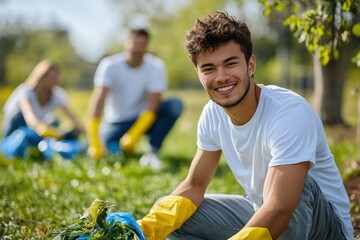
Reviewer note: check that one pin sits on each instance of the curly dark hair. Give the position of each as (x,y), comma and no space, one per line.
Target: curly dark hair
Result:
(216,30)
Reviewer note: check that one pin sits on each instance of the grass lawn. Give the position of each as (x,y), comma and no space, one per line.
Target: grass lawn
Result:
(40,197)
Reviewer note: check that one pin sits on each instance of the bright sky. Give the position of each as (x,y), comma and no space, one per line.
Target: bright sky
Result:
(92,24)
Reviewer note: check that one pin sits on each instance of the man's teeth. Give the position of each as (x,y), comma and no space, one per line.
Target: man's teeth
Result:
(224,89)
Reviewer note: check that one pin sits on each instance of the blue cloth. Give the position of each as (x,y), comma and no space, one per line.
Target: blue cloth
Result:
(125,218)
(84,237)
(18,142)
(66,148)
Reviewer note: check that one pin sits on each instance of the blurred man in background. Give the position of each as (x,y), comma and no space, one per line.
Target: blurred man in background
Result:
(128,89)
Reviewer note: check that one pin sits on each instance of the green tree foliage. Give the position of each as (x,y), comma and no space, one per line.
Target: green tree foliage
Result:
(9,31)
(322,26)
(325,28)
(32,47)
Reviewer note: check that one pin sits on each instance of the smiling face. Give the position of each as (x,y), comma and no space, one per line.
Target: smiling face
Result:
(224,74)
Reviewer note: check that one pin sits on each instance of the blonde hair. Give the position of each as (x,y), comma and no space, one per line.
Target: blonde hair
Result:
(39,72)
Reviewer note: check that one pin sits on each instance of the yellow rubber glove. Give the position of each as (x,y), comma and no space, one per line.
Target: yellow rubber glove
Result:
(132,136)
(252,233)
(95,149)
(46,131)
(166,216)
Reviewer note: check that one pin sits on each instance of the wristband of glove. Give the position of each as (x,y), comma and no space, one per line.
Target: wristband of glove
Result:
(95,149)
(166,216)
(47,132)
(132,136)
(252,233)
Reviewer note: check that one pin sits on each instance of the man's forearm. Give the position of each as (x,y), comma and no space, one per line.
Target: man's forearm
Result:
(186,189)
(276,220)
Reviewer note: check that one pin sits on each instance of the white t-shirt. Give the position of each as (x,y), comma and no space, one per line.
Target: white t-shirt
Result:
(128,87)
(12,107)
(284,130)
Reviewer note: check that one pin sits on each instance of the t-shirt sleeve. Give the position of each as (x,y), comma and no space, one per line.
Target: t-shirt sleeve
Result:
(12,103)
(207,134)
(102,74)
(158,77)
(293,136)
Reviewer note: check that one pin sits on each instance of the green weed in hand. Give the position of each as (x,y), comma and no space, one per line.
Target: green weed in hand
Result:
(93,224)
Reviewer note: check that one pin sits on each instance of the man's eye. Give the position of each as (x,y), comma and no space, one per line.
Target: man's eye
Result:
(207,70)
(231,64)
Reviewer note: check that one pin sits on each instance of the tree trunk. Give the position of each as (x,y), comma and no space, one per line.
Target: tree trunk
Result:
(2,60)
(329,86)
(358,124)
(6,45)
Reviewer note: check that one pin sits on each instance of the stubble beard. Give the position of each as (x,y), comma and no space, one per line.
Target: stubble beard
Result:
(233,104)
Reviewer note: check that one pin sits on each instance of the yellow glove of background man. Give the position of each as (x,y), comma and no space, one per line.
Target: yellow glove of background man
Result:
(166,216)
(252,233)
(132,136)
(46,131)
(95,149)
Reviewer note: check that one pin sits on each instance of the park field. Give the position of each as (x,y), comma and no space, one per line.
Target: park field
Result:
(41,197)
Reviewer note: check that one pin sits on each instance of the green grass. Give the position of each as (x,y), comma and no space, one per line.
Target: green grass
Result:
(39,197)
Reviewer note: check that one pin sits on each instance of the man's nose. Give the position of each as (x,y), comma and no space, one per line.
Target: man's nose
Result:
(222,75)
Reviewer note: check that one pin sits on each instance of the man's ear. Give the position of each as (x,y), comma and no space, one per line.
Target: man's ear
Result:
(252,65)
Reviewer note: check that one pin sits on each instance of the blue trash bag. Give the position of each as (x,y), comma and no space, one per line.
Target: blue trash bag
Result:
(125,218)
(65,148)
(19,141)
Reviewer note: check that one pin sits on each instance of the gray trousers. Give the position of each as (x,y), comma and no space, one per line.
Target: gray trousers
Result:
(221,216)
